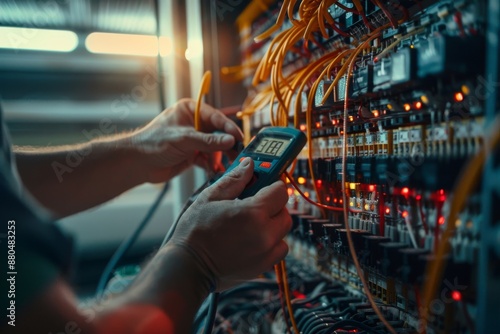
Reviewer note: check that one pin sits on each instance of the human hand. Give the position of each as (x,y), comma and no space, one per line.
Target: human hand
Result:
(169,143)
(235,240)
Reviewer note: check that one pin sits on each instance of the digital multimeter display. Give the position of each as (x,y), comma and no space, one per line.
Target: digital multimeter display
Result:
(270,146)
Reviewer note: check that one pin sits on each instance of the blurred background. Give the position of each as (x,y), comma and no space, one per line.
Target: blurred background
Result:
(71,70)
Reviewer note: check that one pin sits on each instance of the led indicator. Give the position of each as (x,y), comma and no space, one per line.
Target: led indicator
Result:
(458,97)
(405,191)
(319,183)
(418,105)
(407,107)
(456,295)
(387,211)
(290,191)
(404,214)
(424,99)
(327,198)
(367,207)
(301,180)
(302,127)
(441,220)
(371,187)
(375,113)
(418,197)
(465,89)
(318,124)
(389,106)
(306,194)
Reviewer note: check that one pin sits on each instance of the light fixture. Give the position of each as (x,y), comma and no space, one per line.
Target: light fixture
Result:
(128,44)
(38,39)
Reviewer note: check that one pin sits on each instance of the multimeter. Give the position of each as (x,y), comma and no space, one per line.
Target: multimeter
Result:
(272,150)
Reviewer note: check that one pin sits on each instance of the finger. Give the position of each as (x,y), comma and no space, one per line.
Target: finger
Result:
(273,197)
(280,225)
(213,119)
(232,184)
(206,142)
(275,255)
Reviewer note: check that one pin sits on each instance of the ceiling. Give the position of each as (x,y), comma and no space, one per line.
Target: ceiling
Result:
(125,16)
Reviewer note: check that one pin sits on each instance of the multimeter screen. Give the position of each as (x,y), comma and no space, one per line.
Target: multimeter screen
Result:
(270,146)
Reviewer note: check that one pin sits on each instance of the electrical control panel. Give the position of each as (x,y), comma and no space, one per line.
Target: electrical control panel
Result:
(393,98)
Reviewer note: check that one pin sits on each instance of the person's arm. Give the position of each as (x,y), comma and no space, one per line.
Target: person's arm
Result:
(69,179)
(220,242)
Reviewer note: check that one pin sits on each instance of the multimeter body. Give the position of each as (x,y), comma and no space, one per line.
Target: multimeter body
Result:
(272,150)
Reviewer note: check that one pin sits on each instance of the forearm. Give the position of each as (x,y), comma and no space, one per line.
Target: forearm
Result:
(70,179)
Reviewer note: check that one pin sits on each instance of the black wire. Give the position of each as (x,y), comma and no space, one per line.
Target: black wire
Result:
(126,244)
(350,323)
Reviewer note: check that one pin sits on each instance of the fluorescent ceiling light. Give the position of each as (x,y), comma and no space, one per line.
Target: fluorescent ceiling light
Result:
(37,39)
(128,44)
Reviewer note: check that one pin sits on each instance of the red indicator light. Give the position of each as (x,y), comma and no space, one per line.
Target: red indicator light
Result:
(387,211)
(318,124)
(418,105)
(418,197)
(405,191)
(407,107)
(441,220)
(327,198)
(341,201)
(319,183)
(334,122)
(456,295)
(458,97)
(404,214)
(371,187)
(334,200)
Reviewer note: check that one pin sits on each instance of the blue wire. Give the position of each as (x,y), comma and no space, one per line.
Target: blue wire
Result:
(126,244)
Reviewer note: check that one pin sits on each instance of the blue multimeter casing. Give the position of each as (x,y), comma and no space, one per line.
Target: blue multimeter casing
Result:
(272,150)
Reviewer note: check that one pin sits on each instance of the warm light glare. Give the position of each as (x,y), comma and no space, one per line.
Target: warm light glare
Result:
(465,89)
(405,191)
(389,106)
(387,211)
(404,214)
(306,194)
(375,113)
(38,39)
(424,99)
(302,127)
(371,187)
(418,105)
(318,124)
(301,180)
(407,107)
(194,49)
(290,191)
(319,183)
(128,44)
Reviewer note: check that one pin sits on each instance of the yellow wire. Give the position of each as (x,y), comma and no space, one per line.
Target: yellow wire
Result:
(204,89)
(287,297)
(465,183)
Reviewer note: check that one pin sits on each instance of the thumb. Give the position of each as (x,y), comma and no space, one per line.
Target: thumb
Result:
(208,142)
(232,184)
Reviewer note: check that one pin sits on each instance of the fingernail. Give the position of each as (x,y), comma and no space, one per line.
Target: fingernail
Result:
(227,139)
(245,162)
